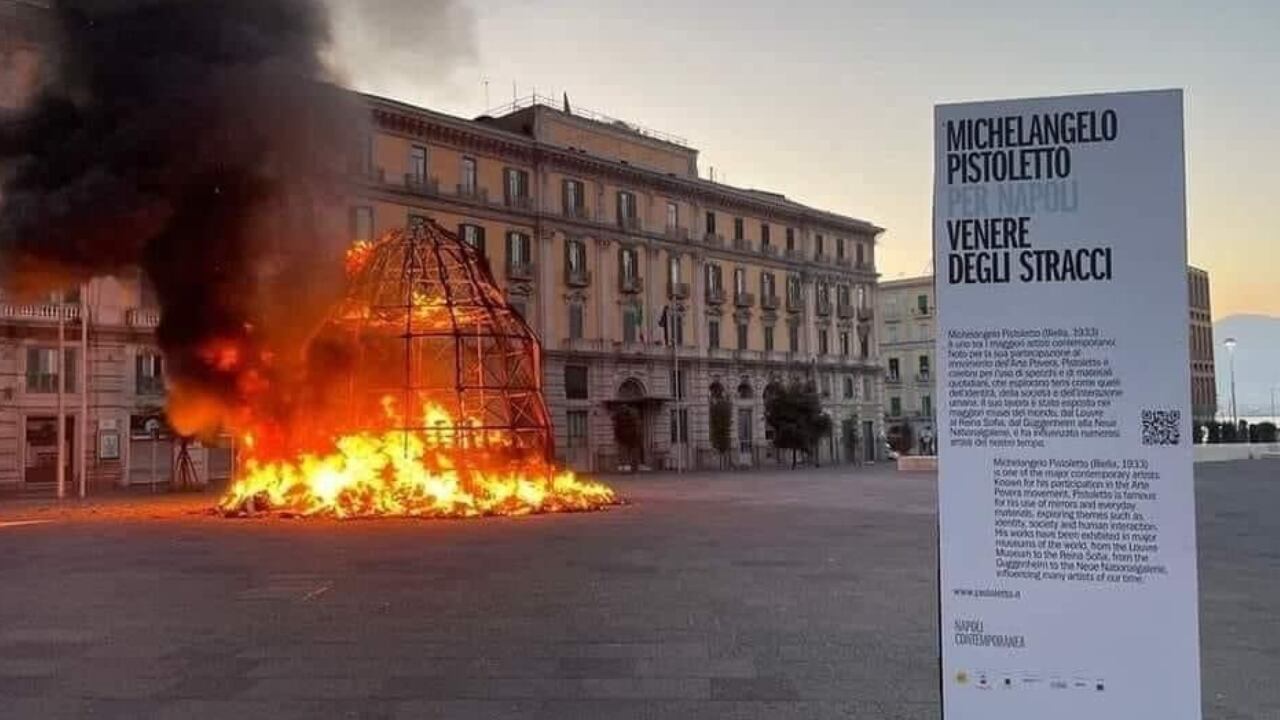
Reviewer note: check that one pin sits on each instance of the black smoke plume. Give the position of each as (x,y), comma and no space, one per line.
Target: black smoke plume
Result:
(203,141)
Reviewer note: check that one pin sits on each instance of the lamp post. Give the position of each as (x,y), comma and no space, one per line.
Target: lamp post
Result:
(1231,351)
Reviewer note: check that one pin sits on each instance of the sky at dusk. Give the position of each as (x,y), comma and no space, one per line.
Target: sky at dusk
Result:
(831,103)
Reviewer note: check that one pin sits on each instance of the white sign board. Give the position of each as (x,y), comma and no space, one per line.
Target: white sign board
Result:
(1066,504)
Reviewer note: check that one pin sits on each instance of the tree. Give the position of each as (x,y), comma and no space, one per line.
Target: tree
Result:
(795,416)
(626,431)
(1263,432)
(721,421)
(902,439)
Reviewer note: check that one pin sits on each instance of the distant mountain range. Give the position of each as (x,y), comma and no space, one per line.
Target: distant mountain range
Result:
(1257,362)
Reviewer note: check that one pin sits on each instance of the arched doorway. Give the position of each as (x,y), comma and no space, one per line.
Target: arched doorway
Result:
(629,415)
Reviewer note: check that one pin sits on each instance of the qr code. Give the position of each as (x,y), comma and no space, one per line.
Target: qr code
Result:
(1161,427)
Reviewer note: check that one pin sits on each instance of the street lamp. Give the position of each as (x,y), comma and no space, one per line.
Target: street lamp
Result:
(1231,351)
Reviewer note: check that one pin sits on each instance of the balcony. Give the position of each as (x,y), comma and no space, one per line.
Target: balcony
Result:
(769,302)
(149,385)
(574,212)
(892,379)
(844,261)
(794,254)
(631,284)
(519,271)
(472,193)
(795,303)
(519,202)
(629,223)
(742,244)
(422,184)
(822,307)
(924,378)
(719,353)
(922,312)
(744,299)
(844,311)
(864,314)
(41,312)
(142,318)
(675,232)
(743,354)
(578,278)
(822,258)
(768,250)
(583,345)
(678,290)
(713,240)
(715,296)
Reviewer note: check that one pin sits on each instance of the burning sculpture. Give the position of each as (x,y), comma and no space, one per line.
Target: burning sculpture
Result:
(437,408)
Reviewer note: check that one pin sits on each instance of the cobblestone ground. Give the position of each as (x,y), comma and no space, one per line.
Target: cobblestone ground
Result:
(757,595)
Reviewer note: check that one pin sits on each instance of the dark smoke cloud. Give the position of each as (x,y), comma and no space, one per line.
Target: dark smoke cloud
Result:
(201,140)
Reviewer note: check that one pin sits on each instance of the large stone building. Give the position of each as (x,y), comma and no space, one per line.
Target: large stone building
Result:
(1204,389)
(599,229)
(595,228)
(908,329)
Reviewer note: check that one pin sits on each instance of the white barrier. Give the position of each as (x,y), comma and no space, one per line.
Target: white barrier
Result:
(1241,451)
(917,463)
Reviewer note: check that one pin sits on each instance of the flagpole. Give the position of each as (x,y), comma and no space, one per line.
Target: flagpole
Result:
(675,359)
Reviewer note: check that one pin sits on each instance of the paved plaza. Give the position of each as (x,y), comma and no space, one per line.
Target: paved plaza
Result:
(771,595)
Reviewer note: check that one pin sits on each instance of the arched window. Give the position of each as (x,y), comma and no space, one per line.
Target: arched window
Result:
(630,389)
(744,389)
(717,390)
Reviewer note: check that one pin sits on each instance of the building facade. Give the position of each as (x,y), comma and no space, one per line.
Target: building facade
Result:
(1204,389)
(908,332)
(908,326)
(648,286)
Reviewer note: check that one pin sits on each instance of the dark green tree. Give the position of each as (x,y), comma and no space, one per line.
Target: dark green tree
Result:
(794,414)
(721,419)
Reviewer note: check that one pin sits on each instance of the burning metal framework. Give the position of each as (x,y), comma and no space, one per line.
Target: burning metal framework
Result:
(437,408)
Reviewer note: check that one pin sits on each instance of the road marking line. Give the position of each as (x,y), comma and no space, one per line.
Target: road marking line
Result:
(18,523)
(317,592)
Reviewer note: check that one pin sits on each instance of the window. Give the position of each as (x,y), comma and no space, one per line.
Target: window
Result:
(895,406)
(468,185)
(737,228)
(577,428)
(42,370)
(840,248)
(472,235)
(572,198)
(515,187)
(922,304)
(767,288)
(742,336)
(744,430)
(713,277)
(417,164)
(768,338)
(673,269)
(818,245)
(680,426)
(926,406)
(862,297)
(575,382)
(576,257)
(793,337)
(631,319)
(844,343)
(673,216)
(848,387)
(859,254)
(361,224)
(822,341)
(626,209)
(713,334)
(843,296)
(149,374)
(924,367)
(629,264)
(824,294)
(764,234)
(791,238)
(740,281)
(744,388)
(711,222)
(519,250)
(825,382)
(868,390)
(793,288)
(893,370)
(864,344)
(575,321)
(679,384)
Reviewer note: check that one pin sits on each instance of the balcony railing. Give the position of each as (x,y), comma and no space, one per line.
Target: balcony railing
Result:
(719,353)
(795,303)
(864,314)
(678,291)
(422,184)
(142,317)
(891,379)
(744,299)
(631,284)
(742,244)
(472,193)
(844,311)
(768,250)
(39,311)
(922,311)
(744,354)
(577,212)
(715,296)
(149,385)
(630,223)
(794,254)
(821,258)
(713,239)
(822,307)
(844,261)
(520,270)
(519,202)
(675,232)
(577,278)
(769,302)
(924,378)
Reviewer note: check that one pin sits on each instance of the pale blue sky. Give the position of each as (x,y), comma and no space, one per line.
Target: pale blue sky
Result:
(831,102)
